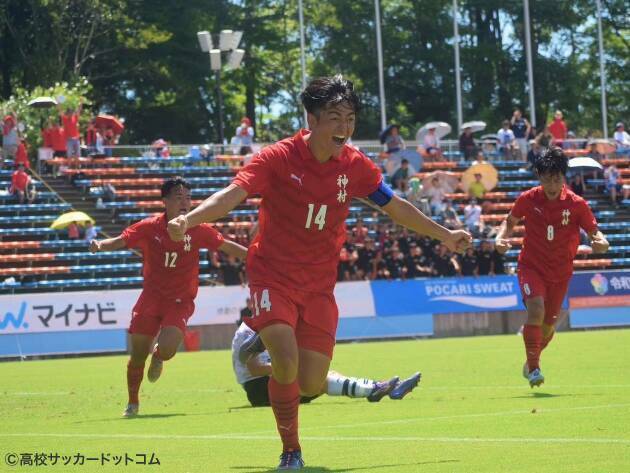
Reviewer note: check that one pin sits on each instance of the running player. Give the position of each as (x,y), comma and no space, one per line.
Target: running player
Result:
(306,183)
(553,216)
(171,279)
(252,367)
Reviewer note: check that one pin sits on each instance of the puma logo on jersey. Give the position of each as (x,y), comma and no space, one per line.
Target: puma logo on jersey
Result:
(158,239)
(538,210)
(299,179)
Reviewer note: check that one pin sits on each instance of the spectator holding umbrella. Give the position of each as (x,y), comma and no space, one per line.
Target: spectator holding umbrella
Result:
(467,144)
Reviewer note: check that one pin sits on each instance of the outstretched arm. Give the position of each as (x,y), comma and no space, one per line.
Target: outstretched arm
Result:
(405,214)
(599,244)
(501,242)
(232,248)
(211,209)
(109,244)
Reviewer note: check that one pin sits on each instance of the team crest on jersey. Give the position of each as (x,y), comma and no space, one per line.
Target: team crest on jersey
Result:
(342,182)
(566,213)
(187,240)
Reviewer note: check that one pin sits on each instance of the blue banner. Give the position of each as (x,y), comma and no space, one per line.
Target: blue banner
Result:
(436,296)
(599,284)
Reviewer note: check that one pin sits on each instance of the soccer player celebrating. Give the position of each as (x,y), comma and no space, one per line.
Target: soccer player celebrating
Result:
(171,280)
(252,367)
(306,183)
(553,216)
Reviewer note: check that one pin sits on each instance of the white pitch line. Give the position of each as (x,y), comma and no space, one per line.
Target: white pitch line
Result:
(330,438)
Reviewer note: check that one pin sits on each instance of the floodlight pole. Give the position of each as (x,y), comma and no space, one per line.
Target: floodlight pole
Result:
(602,69)
(458,77)
(217,76)
(379,54)
(302,52)
(530,67)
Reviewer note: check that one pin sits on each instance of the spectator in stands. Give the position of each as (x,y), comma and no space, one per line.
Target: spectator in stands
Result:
(611,175)
(111,139)
(232,272)
(70,120)
(558,129)
(394,142)
(477,190)
(498,261)
(20,182)
(58,139)
(533,153)
(21,155)
(74,233)
(468,263)
(467,144)
(544,138)
(577,184)
(622,138)
(444,263)
(521,129)
(359,232)
(472,217)
(485,259)
(402,173)
(507,143)
(451,219)
(245,135)
(432,144)
(436,196)
(90,232)
(246,312)
(90,137)
(480,159)
(418,264)
(10,138)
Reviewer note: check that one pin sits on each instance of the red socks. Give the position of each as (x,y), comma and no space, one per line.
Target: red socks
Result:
(285,400)
(532,335)
(134,378)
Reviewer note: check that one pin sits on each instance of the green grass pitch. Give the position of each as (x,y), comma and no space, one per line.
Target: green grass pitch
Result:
(473,412)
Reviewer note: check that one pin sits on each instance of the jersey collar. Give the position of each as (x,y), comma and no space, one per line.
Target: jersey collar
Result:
(305,151)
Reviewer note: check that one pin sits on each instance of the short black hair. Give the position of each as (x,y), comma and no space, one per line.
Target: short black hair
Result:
(325,91)
(551,161)
(171,183)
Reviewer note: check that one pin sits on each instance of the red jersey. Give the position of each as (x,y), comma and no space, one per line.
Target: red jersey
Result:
(558,129)
(170,269)
(552,231)
(19,180)
(302,212)
(21,156)
(58,138)
(71,125)
(47,138)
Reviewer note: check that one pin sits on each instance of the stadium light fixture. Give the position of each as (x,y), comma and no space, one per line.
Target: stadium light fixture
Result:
(215,59)
(205,41)
(235,58)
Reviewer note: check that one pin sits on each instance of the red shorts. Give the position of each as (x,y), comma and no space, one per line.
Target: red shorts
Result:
(313,316)
(532,285)
(150,314)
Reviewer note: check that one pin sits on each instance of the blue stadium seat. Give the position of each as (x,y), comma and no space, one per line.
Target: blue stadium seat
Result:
(17,208)
(77,255)
(29,219)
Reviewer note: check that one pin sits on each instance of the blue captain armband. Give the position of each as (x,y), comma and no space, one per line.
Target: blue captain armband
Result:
(382,195)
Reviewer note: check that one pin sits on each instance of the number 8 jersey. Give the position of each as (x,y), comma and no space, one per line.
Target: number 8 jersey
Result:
(552,231)
(303,211)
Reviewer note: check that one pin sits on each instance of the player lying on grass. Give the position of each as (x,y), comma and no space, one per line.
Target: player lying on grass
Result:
(252,366)
(553,216)
(171,279)
(307,183)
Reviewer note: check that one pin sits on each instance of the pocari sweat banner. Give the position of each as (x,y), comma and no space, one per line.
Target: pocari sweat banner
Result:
(469,294)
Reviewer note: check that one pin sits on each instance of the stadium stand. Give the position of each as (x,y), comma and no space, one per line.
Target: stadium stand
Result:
(34,257)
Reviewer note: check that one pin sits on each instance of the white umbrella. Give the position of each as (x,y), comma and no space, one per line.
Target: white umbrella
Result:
(441,130)
(584,164)
(42,102)
(475,126)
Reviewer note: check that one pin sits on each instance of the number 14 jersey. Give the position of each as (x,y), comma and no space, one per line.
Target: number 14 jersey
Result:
(303,211)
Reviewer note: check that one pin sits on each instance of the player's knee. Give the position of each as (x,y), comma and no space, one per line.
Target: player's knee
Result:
(284,368)
(166,353)
(535,312)
(310,388)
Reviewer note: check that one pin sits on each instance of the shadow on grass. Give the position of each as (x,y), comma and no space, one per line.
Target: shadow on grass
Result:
(139,416)
(539,395)
(323,469)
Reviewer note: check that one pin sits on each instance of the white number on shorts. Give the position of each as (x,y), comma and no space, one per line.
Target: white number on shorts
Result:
(549,232)
(265,302)
(169,259)
(320,218)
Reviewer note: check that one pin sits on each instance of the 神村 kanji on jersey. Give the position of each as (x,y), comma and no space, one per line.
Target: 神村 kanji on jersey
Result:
(552,231)
(303,211)
(170,269)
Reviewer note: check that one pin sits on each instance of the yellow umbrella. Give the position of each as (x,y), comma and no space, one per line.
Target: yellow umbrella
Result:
(489,176)
(66,219)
